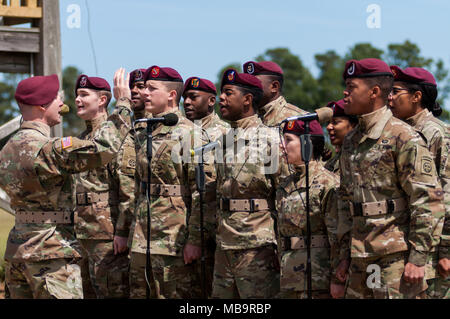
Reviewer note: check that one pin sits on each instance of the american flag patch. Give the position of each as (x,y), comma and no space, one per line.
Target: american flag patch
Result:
(66,142)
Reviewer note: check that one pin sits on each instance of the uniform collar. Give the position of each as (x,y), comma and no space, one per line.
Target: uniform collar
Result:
(42,128)
(93,125)
(208,120)
(372,124)
(418,121)
(269,107)
(251,121)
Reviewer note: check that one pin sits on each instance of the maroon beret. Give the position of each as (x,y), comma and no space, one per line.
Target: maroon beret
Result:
(338,108)
(162,74)
(195,83)
(94,83)
(264,67)
(231,76)
(37,90)
(136,76)
(298,128)
(366,68)
(413,75)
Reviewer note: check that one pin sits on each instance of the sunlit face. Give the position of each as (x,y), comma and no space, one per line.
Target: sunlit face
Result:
(356,96)
(400,101)
(198,104)
(266,82)
(337,129)
(89,104)
(136,93)
(231,103)
(292,148)
(155,96)
(51,115)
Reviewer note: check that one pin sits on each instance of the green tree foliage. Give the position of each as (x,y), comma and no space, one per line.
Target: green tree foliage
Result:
(300,87)
(363,51)
(330,83)
(8,106)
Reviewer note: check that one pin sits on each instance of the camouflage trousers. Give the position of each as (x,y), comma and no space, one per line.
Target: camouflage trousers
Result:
(209,269)
(108,273)
(438,288)
(246,273)
(171,278)
(47,279)
(365,282)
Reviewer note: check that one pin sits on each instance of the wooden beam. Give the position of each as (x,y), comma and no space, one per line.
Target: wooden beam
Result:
(15,62)
(14,10)
(10,127)
(48,60)
(21,40)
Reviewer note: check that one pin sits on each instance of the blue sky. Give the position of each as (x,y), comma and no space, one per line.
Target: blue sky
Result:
(200,37)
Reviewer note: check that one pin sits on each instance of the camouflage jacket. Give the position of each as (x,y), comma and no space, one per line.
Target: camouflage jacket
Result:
(383,158)
(276,111)
(35,173)
(171,165)
(214,128)
(113,214)
(333,163)
(436,134)
(243,174)
(291,201)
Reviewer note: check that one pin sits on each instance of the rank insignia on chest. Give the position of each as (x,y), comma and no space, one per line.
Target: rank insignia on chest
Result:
(66,142)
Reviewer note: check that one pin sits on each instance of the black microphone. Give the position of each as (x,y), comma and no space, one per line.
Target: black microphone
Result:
(170,119)
(204,149)
(323,115)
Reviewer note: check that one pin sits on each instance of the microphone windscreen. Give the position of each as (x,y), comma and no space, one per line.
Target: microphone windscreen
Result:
(324,114)
(170,119)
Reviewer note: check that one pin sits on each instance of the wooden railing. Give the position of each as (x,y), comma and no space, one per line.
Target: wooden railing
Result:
(20,11)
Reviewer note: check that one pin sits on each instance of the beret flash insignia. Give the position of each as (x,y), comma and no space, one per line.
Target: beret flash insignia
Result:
(351,69)
(83,81)
(195,83)
(250,68)
(231,76)
(138,76)
(290,125)
(155,72)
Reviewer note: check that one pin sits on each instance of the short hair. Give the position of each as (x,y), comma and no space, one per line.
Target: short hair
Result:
(107,94)
(256,93)
(385,83)
(318,143)
(177,86)
(279,78)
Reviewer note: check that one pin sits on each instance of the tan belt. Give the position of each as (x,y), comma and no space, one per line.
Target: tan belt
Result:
(296,243)
(164,189)
(244,205)
(43,217)
(378,208)
(91,198)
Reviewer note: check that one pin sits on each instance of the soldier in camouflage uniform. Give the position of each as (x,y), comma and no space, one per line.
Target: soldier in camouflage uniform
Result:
(246,258)
(42,251)
(104,199)
(291,210)
(390,186)
(173,191)
(340,125)
(273,108)
(413,100)
(199,100)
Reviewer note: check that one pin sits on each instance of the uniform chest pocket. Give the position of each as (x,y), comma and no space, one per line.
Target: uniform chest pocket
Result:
(378,161)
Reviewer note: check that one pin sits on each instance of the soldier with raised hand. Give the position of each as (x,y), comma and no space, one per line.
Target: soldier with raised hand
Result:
(173,195)
(246,259)
(42,251)
(413,100)
(199,100)
(104,198)
(273,107)
(390,186)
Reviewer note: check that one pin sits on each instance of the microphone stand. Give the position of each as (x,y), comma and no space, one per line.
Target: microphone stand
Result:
(148,265)
(200,181)
(306,148)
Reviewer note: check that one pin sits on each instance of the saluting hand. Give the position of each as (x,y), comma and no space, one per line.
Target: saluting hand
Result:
(444,267)
(342,270)
(191,253)
(120,244)
(121,84)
